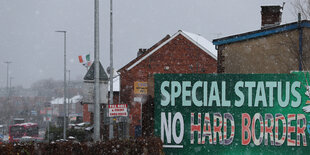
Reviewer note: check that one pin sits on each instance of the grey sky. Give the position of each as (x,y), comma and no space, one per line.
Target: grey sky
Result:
(28,38)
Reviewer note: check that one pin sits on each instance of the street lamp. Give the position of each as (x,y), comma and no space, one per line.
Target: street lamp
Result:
(111,68)
(65,84)
(69,94)
(7,75)
(7,87)
(10,90)
(96,135)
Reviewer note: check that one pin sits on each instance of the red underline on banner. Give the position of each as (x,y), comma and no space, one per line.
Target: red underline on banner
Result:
(173,146)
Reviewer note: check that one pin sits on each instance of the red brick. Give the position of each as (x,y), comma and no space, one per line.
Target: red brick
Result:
(180,54)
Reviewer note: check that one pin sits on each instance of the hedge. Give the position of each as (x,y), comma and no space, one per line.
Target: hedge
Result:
(150,145)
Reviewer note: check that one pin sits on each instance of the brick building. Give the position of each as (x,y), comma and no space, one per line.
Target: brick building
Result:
(274,48)
(182,52)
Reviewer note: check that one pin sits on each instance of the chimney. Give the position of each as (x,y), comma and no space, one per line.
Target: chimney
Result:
(141,51)
(271,16)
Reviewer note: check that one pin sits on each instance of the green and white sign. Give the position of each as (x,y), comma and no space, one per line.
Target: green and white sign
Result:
(233,113)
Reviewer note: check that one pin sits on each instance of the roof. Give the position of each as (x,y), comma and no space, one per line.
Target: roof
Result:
(60,100)
(26,124)
(261,33)
(197,39)
(142,55)
(206,44)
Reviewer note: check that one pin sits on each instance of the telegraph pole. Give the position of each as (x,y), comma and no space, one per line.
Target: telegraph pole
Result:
(111,68)
(96,61)
(65,85)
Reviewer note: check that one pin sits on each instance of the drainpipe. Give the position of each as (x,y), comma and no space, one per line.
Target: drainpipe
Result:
(300,41)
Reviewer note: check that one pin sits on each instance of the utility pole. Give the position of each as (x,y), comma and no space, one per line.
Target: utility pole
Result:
(65,85)
(111,68)
(96,61)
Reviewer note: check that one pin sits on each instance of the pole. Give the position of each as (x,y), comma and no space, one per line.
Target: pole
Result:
(111,68)
(7,75)
(48,125)
(141,119)
(7,89)
(96,61)
(48,131)
(10,90)
(68,94)
(65,85)
(300,42)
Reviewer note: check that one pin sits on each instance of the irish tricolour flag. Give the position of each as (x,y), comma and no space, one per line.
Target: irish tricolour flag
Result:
(85,60)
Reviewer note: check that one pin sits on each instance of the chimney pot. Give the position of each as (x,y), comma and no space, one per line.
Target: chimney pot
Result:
(141,51)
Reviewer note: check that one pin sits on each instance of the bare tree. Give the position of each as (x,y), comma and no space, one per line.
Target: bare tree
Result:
(303,7)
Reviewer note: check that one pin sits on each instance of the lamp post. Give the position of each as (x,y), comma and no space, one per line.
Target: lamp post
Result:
(7,75)
(96,135)
(69,94)
(65,85)
(10,90)
(111,68)
(7,89)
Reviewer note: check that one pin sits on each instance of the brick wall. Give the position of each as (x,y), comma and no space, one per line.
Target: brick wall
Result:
(86,113)
(178,56)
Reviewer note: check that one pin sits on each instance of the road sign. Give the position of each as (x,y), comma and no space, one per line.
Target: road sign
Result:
(117,110)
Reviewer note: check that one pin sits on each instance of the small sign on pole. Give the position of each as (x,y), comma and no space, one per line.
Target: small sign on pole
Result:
(140,87)
(117,110)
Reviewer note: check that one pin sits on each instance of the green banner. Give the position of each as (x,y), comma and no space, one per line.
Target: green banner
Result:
(233,113)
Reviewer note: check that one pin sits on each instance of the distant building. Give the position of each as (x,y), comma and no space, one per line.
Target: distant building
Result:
(273,49)
(74,106)
(182,52)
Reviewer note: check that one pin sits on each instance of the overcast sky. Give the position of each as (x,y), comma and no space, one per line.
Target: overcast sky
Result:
(28,38)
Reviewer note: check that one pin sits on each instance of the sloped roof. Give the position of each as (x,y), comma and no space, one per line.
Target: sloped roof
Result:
(198,40)
(261,33)
(60,100)
(145,53)
(206,44)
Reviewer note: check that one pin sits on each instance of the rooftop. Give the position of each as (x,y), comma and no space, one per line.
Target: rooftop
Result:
(60,100)
(261,33)
(197,39)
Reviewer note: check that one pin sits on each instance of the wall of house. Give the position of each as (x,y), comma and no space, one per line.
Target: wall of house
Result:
(86,113)
(178,56)
(277,53)
(306,48)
